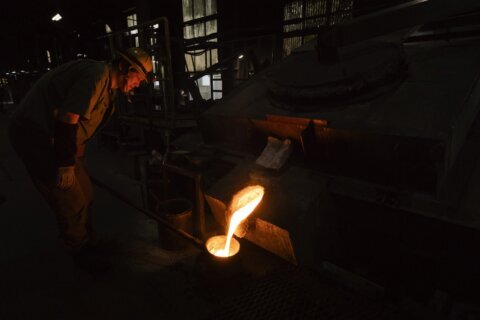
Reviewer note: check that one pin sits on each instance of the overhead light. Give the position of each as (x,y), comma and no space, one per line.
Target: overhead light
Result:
(57,17)
(240,56)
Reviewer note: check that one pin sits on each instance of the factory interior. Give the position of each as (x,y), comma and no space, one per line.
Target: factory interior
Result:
(338,140)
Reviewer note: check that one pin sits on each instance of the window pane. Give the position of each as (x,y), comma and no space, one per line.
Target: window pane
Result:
(293,10)
(208,56)
(199,30)
(214,53)
(211,7)
(217,84)
(187,7)
(343,10)
(199,9)
(211,26)
(342,5)
(205,80)
(204,87)
(200,62)
(315,8)
(188,59)
(217,95)
(132,20)
(205,92)
(292,27)
(291,43)
(188,32)
(313,23)
(312,14)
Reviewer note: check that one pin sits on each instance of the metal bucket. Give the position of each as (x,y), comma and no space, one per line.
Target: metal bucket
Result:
(219,242)
(178,213)
(214,269)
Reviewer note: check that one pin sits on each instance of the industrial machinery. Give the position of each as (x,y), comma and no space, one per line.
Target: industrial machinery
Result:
(378,126)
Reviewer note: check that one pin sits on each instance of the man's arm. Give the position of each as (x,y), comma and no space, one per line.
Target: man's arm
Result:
(65,142)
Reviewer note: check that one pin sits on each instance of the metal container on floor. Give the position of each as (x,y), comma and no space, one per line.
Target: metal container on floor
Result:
(178,213)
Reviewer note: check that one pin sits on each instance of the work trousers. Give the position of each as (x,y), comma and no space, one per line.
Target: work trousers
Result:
(72,207)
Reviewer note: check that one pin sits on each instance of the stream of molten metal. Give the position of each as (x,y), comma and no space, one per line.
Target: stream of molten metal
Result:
(243,204)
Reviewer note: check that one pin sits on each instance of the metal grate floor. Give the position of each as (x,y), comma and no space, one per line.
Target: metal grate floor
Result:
(294,293)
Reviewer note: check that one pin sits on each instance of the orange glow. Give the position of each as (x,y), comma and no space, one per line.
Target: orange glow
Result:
(243,203)
(217,243)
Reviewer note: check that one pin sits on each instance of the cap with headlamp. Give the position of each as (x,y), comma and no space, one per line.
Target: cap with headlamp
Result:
(138,59)
(136,67)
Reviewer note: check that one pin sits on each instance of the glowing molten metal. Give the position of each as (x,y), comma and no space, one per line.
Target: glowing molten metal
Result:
(243,203)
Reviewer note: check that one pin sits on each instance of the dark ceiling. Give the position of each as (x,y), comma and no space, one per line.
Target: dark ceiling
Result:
(25,24)
(27,29)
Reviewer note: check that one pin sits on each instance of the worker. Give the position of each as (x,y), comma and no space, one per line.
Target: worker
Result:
(49,129)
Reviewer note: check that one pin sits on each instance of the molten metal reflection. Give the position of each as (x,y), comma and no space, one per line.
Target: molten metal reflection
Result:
(217,243)
(243,203)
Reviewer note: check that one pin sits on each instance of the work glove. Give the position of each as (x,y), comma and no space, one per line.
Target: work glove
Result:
(65,177)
